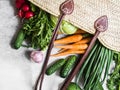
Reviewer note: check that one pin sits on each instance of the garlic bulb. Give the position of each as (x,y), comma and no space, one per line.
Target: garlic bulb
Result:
(36,56)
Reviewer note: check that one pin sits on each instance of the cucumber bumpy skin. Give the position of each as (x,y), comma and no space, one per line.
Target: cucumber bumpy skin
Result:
(54,67)
(68,66)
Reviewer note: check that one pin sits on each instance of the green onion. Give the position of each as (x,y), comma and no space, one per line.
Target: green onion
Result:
(84,65)
(99,59)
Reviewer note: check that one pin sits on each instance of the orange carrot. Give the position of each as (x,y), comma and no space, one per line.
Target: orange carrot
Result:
(68,39)
(85,40)
(74,46)
(61,50)
(67,52)
(79,31)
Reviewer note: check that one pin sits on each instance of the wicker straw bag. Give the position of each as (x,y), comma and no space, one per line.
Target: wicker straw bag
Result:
(86,12)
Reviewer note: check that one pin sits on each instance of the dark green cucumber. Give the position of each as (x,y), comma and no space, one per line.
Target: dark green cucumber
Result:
(57,65)
(19,39)
(68,66)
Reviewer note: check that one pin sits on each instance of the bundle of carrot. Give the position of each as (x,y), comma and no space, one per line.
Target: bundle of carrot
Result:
(74,44)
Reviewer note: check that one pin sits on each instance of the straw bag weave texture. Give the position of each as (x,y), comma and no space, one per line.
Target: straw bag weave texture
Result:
(86,12)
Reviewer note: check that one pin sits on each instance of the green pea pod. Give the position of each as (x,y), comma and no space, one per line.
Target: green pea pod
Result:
(68,66)
(19,39)
(57,65)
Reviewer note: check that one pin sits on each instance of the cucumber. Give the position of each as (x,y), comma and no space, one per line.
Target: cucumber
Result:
(57,65)
(19,39)
(68,66)
(73,86)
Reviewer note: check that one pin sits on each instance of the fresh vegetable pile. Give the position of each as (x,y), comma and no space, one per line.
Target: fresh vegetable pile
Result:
(37,30)
(37,26)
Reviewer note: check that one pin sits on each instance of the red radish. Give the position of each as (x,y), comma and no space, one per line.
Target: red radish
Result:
(25,7)
(19,3)
(20,13)
(36,56)
(29,14)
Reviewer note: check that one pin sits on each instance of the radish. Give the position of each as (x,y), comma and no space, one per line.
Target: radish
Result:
(36,56)
(20,13)
(19,3)
(25,7)
(29,14)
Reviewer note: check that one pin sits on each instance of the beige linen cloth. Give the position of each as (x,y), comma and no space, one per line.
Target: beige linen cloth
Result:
(86,12)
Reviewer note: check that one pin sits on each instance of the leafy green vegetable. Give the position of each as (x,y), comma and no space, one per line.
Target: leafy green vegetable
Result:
(65,27)
(38,30)
(99,58)
(53,19)
(113,83)
(33,7)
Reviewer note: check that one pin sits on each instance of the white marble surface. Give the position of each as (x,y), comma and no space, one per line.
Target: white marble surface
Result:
(17,72)
(15,69)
